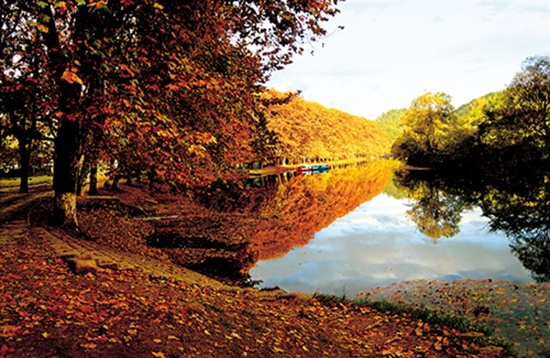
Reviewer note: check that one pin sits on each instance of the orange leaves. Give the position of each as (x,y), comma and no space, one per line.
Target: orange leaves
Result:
(70,76)
(309,130)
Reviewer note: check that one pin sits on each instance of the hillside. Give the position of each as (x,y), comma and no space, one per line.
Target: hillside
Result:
(306,131)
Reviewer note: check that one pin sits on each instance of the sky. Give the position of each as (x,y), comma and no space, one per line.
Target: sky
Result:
(392,51)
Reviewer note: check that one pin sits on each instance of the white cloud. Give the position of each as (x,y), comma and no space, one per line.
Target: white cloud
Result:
(393,51)
(369,247)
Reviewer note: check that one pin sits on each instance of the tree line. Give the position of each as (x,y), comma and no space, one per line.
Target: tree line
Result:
(505,129)
(167,88)
(302,131)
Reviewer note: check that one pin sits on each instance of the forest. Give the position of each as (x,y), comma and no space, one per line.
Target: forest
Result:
(171,91)
(304,131)
(492,153)
(506,130)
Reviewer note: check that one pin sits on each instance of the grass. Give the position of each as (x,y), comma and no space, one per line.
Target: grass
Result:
(458,323)
(35,180)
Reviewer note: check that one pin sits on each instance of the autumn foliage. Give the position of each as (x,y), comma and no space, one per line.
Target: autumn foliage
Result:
(286,210)
(310,203)
(308,131)
(164,87)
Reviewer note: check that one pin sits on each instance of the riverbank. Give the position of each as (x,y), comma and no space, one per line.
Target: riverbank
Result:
(48,310)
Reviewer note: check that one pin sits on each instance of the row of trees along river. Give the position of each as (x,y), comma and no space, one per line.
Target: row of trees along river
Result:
(171,90)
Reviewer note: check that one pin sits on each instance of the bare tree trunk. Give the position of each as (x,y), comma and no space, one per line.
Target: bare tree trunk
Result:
(24,160)
(66,169)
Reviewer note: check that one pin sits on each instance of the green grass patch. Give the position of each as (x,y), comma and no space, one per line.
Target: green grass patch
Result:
(35,180)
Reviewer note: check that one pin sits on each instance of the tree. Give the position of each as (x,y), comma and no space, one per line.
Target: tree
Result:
(308,131)
(25,106)
(427,118)
(173,81)
(389,121)
(523,119)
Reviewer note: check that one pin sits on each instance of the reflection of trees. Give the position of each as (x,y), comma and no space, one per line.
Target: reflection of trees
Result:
(533,250)
(524,215)
(285,212)
(517,204)
(435,215)
(435,212)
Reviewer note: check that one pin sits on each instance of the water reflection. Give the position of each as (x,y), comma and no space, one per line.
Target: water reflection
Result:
(517,204)
(285,211)
(490,221)
(377,245)
(335,232)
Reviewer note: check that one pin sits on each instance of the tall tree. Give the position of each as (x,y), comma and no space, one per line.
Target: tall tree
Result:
(426,120)
(26,107)
(523,118)
(172,81)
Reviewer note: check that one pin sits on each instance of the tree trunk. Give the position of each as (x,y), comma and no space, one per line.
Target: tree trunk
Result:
(66,169)
(24,159)
(93,179)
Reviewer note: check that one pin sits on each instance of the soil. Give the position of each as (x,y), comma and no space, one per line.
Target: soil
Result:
(140,299)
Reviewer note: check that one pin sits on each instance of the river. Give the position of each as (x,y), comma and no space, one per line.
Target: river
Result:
(354,229)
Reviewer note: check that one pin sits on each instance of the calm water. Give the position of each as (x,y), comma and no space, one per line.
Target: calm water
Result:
(353,229)
(378,244)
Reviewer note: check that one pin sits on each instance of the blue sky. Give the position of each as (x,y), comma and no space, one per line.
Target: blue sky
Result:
(392,51)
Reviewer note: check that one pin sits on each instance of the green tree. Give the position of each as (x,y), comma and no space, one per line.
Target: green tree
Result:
(427,119)
(523,119)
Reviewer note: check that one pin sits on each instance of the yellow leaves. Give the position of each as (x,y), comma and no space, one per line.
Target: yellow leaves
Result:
(158,6)
(158,354)
(8,331)
(197,150)
(42,28)
(70,76)
(88,345)
(61,7)
(45,334)
(236,335)
(157,340)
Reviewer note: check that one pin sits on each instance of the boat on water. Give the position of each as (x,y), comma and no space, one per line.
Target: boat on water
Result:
(313,168)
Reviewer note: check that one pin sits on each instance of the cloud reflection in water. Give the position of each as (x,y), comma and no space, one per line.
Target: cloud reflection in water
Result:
(377,245)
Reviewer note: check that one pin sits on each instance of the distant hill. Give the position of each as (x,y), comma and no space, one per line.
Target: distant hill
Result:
(304,131)
(389,121)
(467,108)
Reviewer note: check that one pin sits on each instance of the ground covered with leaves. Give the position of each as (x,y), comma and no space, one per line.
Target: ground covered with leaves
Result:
(518,313)
(47,310)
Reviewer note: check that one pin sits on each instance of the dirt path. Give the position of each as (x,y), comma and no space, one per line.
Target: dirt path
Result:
(13,204)
(67,247)
(14,209)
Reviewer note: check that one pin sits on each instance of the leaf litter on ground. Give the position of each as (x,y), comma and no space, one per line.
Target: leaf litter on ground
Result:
(519,313)
(47,310)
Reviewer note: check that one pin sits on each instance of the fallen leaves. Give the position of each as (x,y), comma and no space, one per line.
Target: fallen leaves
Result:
(129,313)
(518,313)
